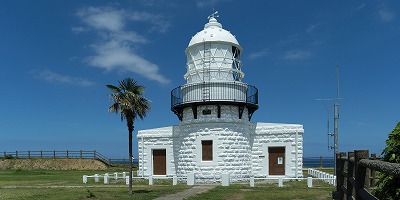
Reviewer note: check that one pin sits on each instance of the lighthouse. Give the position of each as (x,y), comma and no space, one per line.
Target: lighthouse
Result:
(215,135)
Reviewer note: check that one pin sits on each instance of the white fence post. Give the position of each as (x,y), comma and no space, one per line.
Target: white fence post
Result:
(127,180)
(251,181)
(323,176)
(191,178)
(225,179)
(106,181)
(96,178)
(174,180)
(309,182)
(280,182)
(84,179)
(116,176)
(151,180)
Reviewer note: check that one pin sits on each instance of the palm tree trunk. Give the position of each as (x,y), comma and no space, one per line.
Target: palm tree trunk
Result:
(130,128)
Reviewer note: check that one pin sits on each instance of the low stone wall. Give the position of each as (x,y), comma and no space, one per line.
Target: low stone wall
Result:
(52,164)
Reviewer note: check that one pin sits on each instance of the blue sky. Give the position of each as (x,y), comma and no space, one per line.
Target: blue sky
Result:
(57,56)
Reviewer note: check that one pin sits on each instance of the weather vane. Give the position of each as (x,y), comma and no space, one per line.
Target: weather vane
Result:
(213,15)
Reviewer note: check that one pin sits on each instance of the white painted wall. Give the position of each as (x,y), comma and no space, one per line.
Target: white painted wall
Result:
(240,148)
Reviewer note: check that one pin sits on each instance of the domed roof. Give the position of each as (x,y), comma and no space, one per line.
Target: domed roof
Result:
(213,31)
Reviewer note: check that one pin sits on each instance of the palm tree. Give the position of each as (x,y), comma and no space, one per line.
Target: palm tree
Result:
(128,101)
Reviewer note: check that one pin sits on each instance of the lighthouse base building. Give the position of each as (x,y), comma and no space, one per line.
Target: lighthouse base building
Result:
(215,135)
(239,149)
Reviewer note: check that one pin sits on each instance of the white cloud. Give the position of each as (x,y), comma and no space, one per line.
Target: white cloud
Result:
(159,23)
(311,28)
(105,18)
(258,54)
(361,6)
(204,3)
(116,44)
(297,55)
(78,29)
(386,15)
(113,56)
(53,77)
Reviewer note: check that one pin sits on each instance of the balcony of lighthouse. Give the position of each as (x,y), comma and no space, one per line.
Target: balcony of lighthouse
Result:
(214,93)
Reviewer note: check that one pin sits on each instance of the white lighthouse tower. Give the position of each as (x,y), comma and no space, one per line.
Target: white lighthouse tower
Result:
(215,135)
(214,107)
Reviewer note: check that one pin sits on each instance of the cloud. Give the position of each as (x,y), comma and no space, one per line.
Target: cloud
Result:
(105,18)
(311,28)
(297,55)
(159,23)
(114,56)
(53,77)
(386,15)
(361,6)
(116,44)
(78,29)
(258,54)
(205,3)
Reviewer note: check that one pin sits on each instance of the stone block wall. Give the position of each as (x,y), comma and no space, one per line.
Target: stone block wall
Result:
(158,138)
(240,148)
(267,135)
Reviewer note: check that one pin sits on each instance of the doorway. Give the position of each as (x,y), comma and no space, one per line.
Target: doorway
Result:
(159,162)
(276,160)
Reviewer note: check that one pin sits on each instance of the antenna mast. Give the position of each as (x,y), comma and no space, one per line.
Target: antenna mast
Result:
(336,117)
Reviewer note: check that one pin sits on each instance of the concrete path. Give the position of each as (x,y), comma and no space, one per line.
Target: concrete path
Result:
(187,193)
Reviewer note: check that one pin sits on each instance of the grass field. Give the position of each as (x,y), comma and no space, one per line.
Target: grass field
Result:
(67,184)
(291,190)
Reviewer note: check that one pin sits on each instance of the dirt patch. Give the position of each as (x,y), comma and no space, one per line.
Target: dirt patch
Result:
(53,164)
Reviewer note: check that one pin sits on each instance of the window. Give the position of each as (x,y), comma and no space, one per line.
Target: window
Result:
(207,150)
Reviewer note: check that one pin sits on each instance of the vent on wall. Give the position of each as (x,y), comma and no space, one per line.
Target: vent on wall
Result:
(206,112)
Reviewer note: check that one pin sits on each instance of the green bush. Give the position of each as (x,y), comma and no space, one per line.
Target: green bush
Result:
(8,156)
(388,186)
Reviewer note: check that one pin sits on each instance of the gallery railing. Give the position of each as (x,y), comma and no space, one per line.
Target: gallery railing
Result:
(214,92)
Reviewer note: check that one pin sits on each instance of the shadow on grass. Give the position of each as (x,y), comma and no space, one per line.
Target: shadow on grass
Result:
(142,191)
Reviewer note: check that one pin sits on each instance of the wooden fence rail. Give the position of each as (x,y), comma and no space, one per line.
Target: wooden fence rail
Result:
(355,174)
(58,154)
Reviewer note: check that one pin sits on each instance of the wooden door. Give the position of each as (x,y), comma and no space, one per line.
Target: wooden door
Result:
(276,160)
(159,162)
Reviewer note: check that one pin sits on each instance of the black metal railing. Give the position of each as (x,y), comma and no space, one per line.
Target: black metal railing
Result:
(57,154)
(220,91)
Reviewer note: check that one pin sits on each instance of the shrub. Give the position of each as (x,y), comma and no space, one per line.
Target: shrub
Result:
(388,186)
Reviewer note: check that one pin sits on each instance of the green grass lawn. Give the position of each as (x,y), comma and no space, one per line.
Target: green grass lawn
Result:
(32,184)
(291,190)
(36,184)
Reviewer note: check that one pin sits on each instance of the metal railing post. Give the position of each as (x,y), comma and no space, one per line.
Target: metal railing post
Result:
(320,162)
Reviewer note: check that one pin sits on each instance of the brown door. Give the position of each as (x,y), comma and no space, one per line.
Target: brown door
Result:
(159,162)
(276,160)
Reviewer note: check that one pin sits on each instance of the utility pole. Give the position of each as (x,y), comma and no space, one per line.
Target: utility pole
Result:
(336,117)
(336,106)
